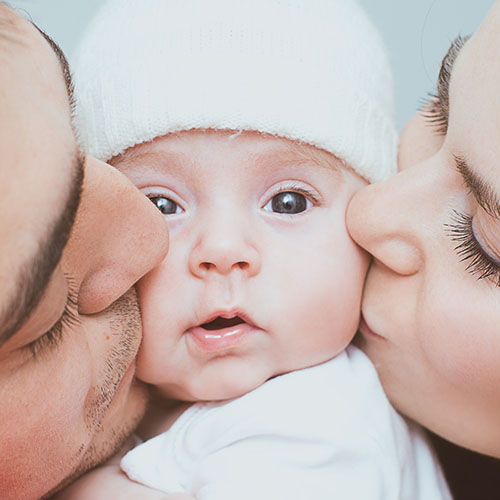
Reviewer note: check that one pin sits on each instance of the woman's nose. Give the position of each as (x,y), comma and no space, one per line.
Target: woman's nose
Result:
(388,220)
(223,247)
(117,238)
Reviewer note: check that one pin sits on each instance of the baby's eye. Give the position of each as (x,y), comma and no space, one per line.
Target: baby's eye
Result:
(165,205)
(288,202)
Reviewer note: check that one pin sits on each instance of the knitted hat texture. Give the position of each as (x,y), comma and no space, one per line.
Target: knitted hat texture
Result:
(315,71)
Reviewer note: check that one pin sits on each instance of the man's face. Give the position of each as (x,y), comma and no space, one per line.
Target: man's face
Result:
(69,322)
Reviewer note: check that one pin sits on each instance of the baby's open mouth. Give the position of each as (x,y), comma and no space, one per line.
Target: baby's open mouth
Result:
(220,323)
(222,331)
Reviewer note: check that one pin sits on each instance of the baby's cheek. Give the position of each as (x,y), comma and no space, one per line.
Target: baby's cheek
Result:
(154,348)
(145,370)
(156,303)
(348,278)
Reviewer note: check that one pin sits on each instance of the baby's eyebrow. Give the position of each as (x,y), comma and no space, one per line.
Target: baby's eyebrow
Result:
(289,153)
(137,158)
(298,154)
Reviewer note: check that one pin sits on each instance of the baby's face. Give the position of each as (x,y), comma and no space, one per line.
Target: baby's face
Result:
(261,277)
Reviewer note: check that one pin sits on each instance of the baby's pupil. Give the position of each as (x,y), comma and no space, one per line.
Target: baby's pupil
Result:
(289,203)
(165,205)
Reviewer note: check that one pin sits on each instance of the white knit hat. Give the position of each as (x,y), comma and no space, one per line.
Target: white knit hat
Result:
(309,70)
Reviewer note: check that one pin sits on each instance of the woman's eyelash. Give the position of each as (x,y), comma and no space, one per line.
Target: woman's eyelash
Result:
(53,337)
(433,113)
(480,263)
(436,109)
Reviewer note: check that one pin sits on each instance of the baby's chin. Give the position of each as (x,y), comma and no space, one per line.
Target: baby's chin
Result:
(230,377)
(217,388)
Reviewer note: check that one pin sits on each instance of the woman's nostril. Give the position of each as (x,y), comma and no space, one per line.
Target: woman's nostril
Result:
(242,265)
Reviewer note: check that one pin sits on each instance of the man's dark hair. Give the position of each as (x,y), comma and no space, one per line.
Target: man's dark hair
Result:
(64,65)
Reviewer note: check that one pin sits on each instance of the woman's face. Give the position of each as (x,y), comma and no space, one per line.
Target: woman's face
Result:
(432,299)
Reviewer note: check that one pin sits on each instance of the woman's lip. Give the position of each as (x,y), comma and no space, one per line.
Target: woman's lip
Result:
(222,339)
(366,330)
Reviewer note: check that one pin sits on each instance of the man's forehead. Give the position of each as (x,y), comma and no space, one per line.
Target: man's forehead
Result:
(40,166)
(15,31)
(24,46)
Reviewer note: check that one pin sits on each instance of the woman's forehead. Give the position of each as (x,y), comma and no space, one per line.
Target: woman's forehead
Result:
(485,42)
(474,124)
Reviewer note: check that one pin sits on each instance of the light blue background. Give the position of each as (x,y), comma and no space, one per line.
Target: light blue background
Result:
(417,32)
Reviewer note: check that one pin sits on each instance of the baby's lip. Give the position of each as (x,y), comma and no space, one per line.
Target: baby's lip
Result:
(222,331)
(225,319)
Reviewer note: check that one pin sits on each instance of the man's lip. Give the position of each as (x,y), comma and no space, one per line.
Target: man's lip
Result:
(365,329)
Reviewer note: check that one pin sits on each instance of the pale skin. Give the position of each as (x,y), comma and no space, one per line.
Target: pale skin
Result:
(235,242)
(235,255)
(430,324)
(108,481)
(67,398)
(437,346)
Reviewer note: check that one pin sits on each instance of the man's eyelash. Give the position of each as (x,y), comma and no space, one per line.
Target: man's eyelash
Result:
(480,263)
(436,109)
(69,317)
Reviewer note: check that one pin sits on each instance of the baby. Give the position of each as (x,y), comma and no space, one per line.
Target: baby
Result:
(250,124)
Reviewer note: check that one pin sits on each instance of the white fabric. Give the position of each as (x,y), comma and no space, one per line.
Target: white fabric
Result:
(326,432)
(315,71)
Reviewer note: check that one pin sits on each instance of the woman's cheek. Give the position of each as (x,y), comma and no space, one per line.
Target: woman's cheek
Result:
(417,142)
(458,338)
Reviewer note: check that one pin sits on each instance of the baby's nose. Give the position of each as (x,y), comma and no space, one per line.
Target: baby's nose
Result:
(224,250)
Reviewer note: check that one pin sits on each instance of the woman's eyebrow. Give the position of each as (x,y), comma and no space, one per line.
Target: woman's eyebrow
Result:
(480,189)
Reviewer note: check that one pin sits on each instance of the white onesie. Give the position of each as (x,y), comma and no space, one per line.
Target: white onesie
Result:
(326,432)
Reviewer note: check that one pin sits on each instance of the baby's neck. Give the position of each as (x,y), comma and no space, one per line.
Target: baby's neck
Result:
(160,416)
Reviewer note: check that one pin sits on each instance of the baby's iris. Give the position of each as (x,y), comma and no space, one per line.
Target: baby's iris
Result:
(289,202)
(165,205)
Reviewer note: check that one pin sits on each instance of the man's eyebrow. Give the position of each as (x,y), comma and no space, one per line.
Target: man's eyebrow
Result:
(68,80)
(34,275)
(480,189)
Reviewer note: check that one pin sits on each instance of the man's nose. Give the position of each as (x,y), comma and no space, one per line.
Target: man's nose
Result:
(118,237)
(224,244)
(390,219)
